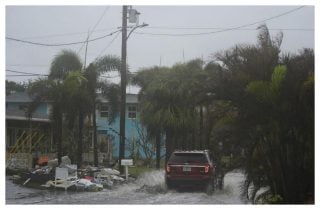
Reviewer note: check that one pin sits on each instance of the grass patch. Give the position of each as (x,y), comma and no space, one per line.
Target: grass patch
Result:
(138,170)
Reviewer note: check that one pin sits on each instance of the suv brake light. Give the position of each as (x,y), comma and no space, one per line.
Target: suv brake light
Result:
(168,169)
(206,169)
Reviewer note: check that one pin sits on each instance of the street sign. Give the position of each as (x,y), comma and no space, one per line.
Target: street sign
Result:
(126,162)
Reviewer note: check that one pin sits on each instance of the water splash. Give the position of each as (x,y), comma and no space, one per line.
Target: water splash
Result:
(149,188)
(152,182)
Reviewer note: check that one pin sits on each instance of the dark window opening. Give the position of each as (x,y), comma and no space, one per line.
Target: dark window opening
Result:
(104,110)
(132,112)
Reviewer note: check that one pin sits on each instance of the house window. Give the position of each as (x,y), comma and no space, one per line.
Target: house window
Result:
(11,136)
(104,110)
(49,109)
(132,112)
(23,107)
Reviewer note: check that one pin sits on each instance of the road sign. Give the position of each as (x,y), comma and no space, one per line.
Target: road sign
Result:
(126,162)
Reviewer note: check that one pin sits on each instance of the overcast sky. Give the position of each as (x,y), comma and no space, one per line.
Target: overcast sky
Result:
(147,47)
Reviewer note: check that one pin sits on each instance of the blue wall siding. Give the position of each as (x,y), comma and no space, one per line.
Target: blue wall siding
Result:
(103,126)
(113,129)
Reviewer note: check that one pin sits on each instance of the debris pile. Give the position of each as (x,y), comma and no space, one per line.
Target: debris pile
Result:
(68,177)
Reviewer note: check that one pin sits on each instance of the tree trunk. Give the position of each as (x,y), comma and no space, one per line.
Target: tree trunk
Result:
(201,140)
(79,161)
(169,144)
(58,135)
(158,147)
(95,146)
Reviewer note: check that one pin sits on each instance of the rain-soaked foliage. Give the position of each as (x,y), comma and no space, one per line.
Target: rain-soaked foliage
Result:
(251,106)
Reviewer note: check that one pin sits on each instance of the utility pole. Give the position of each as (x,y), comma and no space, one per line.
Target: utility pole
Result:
(133,18)
(123,86)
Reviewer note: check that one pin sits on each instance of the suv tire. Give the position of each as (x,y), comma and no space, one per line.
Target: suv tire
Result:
(168,185)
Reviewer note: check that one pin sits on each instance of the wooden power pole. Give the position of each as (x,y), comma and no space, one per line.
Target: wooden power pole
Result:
(123,87)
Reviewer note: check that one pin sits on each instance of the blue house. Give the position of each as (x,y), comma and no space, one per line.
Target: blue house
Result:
(111,130)
(30,135)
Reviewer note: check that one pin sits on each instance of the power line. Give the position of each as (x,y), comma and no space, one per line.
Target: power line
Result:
(224,30)
(221,28)
(26,73)
(64,44)
(68,34)
(174,28)
(167,28)
(28,65)
(115,37)
(94,27)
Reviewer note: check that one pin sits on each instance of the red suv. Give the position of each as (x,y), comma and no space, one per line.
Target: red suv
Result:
(186,168)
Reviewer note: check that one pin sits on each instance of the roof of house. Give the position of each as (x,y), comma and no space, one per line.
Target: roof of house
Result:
(18,114)
(130,99)
(18,97)
(24,97)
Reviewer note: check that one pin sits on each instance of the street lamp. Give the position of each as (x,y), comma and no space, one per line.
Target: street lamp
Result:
(134,28)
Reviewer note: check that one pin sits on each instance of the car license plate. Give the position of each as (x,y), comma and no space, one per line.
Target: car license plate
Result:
(187,169)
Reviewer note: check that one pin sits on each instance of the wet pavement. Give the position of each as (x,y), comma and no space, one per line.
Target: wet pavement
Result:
(148,189)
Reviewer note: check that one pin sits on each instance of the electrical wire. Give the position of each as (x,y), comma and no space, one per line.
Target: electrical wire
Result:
(25,73)
(94,27)
(114,38)
(28,65)
(168,34)
(223,30)
(68,34)
(64,44)
(220,28)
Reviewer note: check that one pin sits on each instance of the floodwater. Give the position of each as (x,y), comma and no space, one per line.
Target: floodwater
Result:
(148,189)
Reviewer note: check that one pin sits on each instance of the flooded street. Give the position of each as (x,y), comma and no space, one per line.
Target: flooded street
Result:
(148,189)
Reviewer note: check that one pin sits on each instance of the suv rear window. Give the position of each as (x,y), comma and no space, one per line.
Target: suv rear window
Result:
(188,157)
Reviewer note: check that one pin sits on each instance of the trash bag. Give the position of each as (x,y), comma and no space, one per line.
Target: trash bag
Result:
(65,160)
(110,171)
(53,163)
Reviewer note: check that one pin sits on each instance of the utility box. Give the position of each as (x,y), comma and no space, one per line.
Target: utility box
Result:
(134,16)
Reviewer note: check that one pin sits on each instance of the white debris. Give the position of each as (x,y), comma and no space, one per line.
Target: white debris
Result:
(65,160)
(110,171)
(53,163)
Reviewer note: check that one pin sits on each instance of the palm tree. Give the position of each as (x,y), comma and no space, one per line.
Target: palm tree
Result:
(63,63)
(167,101)
(92,73)
(142,79)
(277,143)
(78,101)
(53,90)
